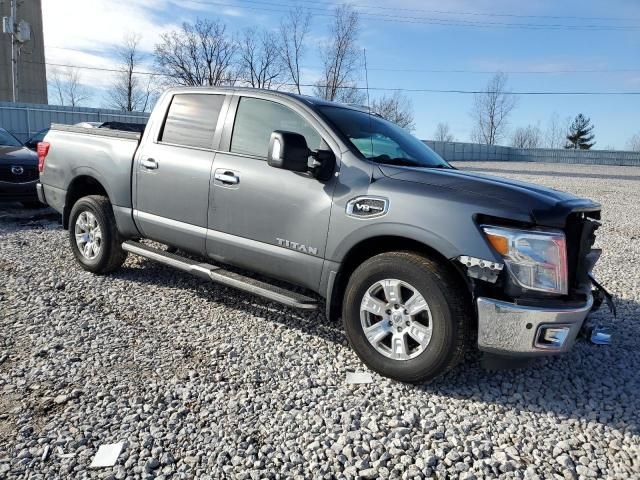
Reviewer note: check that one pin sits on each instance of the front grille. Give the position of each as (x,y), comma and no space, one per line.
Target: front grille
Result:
(29,173)
(580,233)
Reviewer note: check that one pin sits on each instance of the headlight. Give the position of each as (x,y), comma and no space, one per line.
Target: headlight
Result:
(536,259)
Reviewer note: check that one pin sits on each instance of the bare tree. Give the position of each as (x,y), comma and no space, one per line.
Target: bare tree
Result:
(67,87)
(443,133)
(198,54)
(491,110)
(56,85)
(293,30)
(396,108)
(555,134)
(131,91)
(260,63)
(634,143)
(76,92)
(341,59)
(526,137)
(351,94)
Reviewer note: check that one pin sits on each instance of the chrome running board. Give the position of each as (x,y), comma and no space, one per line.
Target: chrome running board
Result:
(222,276)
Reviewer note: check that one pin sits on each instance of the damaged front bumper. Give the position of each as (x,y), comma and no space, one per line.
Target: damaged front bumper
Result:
(525,322)
(509,329)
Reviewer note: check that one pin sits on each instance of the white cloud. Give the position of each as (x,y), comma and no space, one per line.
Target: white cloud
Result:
(632,80)
(84,33)
(535,65)
(209,8)
(56,58)
(461,9)
(99,25)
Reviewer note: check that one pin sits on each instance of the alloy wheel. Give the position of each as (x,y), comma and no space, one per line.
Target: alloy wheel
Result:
(88,235)
(396,319)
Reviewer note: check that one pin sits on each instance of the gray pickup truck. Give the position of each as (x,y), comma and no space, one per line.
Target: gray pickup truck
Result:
(419,259)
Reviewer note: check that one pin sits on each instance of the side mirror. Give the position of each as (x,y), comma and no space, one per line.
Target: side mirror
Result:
(289,151)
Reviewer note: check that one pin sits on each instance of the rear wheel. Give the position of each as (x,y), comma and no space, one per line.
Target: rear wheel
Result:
(405,317)
(93,235)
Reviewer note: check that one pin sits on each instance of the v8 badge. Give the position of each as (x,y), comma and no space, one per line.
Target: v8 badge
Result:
(367,207)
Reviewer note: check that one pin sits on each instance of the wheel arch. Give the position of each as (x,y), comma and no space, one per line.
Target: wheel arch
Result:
(376,245)
(81,186)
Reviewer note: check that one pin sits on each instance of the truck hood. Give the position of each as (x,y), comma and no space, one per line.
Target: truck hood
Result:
(546,206)
(17,156)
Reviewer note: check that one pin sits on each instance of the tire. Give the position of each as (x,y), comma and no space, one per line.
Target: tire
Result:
(32,204)
(408,346)
(105,253)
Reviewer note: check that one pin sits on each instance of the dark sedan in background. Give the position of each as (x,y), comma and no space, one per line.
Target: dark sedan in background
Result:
(18,171)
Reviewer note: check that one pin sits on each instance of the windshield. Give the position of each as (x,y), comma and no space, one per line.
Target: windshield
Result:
(8,140)
(382,141)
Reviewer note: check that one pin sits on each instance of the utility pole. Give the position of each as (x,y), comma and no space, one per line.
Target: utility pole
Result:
(14,49)
(20,32)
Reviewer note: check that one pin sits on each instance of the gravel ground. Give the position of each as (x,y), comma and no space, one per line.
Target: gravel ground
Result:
(201,381)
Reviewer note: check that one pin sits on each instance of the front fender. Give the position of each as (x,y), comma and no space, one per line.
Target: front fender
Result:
(467,240)
(391,229)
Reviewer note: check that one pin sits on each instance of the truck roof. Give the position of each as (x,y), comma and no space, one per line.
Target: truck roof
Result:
(308,99)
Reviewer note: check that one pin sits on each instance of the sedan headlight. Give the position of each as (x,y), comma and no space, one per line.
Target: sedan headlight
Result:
(535,259)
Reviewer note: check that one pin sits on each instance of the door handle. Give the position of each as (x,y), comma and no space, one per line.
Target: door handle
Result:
(149,163)
(227,177)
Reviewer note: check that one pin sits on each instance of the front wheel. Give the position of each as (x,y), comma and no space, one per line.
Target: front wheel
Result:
(93,235)
(405,316)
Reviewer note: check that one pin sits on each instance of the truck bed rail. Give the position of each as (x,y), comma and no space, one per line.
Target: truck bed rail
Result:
(102,132)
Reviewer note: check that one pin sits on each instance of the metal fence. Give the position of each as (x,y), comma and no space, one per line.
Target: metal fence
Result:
(25,119)
(473,152)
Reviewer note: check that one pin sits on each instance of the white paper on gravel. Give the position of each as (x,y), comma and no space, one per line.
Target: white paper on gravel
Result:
(107,455)
(359,377)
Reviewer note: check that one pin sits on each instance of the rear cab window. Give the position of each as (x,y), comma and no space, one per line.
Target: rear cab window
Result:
(256,119)
(191,120)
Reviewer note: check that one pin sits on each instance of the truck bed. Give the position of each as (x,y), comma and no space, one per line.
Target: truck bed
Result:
(102,154)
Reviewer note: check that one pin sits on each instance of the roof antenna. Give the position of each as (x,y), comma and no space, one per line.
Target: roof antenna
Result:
(366,79)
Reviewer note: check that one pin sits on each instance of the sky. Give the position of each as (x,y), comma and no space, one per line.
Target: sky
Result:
(542,45)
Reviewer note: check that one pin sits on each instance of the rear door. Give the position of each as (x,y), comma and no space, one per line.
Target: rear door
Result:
(173,171)
(263,218)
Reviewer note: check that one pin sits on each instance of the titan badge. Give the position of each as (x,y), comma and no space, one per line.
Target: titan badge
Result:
(299,247)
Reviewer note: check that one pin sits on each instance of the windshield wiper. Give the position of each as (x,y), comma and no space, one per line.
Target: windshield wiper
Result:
(406,162)
(396,161)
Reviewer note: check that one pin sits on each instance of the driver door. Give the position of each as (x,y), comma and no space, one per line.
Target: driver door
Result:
(263,218)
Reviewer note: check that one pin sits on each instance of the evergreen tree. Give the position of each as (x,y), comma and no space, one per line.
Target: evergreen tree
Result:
(580,135)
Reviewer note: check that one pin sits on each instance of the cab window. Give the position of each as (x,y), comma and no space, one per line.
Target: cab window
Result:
(256,119)
(191,120)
